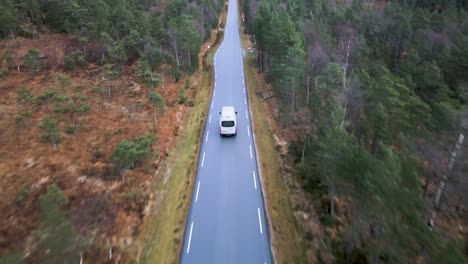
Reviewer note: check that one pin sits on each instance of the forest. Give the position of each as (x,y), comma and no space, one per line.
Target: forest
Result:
(158,32)
(93,92)
(365,87)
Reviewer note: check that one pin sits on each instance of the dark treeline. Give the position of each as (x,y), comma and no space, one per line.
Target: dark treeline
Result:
(360,80)
(158,31)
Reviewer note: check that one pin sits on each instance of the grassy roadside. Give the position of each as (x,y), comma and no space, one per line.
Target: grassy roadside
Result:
(285,236)
(163,233)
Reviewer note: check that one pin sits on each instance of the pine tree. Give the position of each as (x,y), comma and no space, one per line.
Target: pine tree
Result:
(159,104)
(8,20)
(50,131)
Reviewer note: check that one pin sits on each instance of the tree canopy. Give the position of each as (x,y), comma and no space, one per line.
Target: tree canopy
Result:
(368,78)
(127,28)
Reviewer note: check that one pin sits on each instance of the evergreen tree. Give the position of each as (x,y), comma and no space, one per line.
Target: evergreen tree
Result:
(8,20)
(50,131)
(159,104)
(33,61)
(57,240)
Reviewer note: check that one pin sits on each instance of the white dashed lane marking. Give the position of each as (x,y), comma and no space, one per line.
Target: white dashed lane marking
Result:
(259,222)
(190,238)
(255,181)
(203,160)
(198,189)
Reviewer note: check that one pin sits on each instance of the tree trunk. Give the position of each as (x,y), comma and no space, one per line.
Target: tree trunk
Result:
(203,24)
(303,151)
(345,86)
(262,62)
(374,144)
(110,253)
(308,89)
(189,58)
(397,51)
(176,51)
(154,117)
(426,186)
(259,58)
(453,157)
(293,99)
(331,193)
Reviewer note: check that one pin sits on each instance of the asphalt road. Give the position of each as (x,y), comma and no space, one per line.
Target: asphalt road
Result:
(226,222)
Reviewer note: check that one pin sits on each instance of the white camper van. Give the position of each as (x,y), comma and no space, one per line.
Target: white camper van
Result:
(228,121)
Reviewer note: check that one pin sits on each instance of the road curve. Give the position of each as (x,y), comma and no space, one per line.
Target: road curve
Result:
(226,222)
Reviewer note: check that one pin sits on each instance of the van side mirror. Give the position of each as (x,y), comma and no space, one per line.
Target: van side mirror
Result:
(236,112)
(219,112)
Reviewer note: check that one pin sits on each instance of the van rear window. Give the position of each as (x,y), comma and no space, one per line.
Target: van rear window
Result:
(227,123)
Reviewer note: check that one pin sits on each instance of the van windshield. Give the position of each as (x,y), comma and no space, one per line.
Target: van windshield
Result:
(227,123)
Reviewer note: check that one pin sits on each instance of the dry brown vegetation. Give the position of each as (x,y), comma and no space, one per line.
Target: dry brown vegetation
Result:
(104,207)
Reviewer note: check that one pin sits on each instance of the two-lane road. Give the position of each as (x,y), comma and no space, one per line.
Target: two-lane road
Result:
(226,222)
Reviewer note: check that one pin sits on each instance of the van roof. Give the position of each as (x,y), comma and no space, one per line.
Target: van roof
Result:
(228,110)
(228,113)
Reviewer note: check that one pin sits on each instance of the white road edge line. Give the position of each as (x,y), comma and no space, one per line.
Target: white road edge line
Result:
(259,222)
(245,101)
(212,103)
(207,135)
(198,189)
(190,236)
(248,131)
(250,147)
(255,182)
(246,116)
(203,160)
(209,121)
